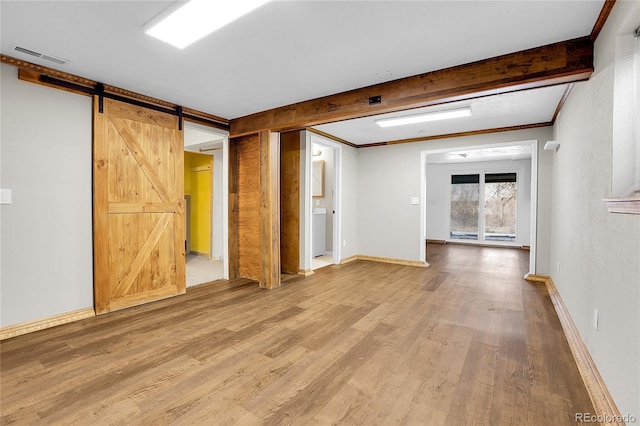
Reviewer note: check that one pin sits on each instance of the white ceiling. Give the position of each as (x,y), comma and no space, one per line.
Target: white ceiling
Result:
(290,51)
(514,152)
(197,137)
(491,112)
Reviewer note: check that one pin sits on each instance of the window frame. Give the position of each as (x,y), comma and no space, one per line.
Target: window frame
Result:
(519,172)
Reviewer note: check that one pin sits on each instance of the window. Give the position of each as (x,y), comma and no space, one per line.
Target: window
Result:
(500,207)
(465,198)
(625,171)
(483,207)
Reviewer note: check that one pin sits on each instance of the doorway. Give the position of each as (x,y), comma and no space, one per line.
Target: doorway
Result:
(461,187)
(486,204)
(205,171)
(323,196)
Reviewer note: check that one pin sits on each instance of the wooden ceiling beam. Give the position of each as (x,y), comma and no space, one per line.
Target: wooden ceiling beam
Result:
(602,18)
(457,134)
(558,63)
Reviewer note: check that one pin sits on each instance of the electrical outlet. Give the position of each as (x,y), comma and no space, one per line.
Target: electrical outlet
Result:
(558,267)
(596,318)
(344,243)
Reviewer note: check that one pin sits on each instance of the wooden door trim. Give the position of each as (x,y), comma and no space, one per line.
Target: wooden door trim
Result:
(290,193)
(269,209)
(233,218)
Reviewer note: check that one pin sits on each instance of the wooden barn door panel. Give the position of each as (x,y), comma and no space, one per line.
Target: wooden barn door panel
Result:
(138,206)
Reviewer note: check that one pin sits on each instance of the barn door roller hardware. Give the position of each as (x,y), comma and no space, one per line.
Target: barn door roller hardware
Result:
(99,90)
(179,114)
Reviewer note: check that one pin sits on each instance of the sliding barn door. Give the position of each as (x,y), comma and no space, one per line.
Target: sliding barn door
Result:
(138,190)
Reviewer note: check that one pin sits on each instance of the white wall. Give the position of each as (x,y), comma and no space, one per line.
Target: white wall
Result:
(326,155)
(217,219)
(388,176)
(46,233)
(346,189)
(438,194)
(598,252)
(349,195)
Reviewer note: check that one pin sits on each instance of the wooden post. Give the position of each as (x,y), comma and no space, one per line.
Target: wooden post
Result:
(269,209)
(234,254)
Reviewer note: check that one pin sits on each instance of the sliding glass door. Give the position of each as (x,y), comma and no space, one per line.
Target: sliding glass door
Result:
(500,207)
(483,207)
(465,203)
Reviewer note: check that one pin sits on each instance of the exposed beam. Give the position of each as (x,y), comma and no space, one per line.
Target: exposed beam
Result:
(457,135)
(563,99)
(330,136)
(557,63)
(602,18)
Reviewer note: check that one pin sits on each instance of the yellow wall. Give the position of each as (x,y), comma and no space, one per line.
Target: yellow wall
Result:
(197,184)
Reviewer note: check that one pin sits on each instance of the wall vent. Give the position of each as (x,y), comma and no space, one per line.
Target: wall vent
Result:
(44,56)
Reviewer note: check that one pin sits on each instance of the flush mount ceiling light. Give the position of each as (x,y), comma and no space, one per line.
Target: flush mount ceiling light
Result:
(423,118)
(198,18)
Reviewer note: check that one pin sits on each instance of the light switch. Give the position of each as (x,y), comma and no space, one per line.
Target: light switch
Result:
(415,201)
(5,196)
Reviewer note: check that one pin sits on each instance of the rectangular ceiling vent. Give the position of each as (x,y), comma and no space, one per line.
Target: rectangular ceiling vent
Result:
(44,56)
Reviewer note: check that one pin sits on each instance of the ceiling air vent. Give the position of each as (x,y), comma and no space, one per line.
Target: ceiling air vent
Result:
(27,51)
(44,56)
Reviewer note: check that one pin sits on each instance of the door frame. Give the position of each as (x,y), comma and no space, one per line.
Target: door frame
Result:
(307,199)
(533,217)
(519,172)
(223,191)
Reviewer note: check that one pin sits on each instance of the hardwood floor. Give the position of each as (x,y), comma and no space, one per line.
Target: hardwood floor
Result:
(464,342)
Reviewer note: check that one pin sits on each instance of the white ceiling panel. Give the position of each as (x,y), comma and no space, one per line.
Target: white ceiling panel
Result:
(285,51)
(514,152)
(505,110)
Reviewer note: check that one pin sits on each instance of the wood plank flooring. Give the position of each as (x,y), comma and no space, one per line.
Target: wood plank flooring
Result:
(464,342)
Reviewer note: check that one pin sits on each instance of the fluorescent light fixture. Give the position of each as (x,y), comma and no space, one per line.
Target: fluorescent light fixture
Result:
(423,118)
(198,18)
